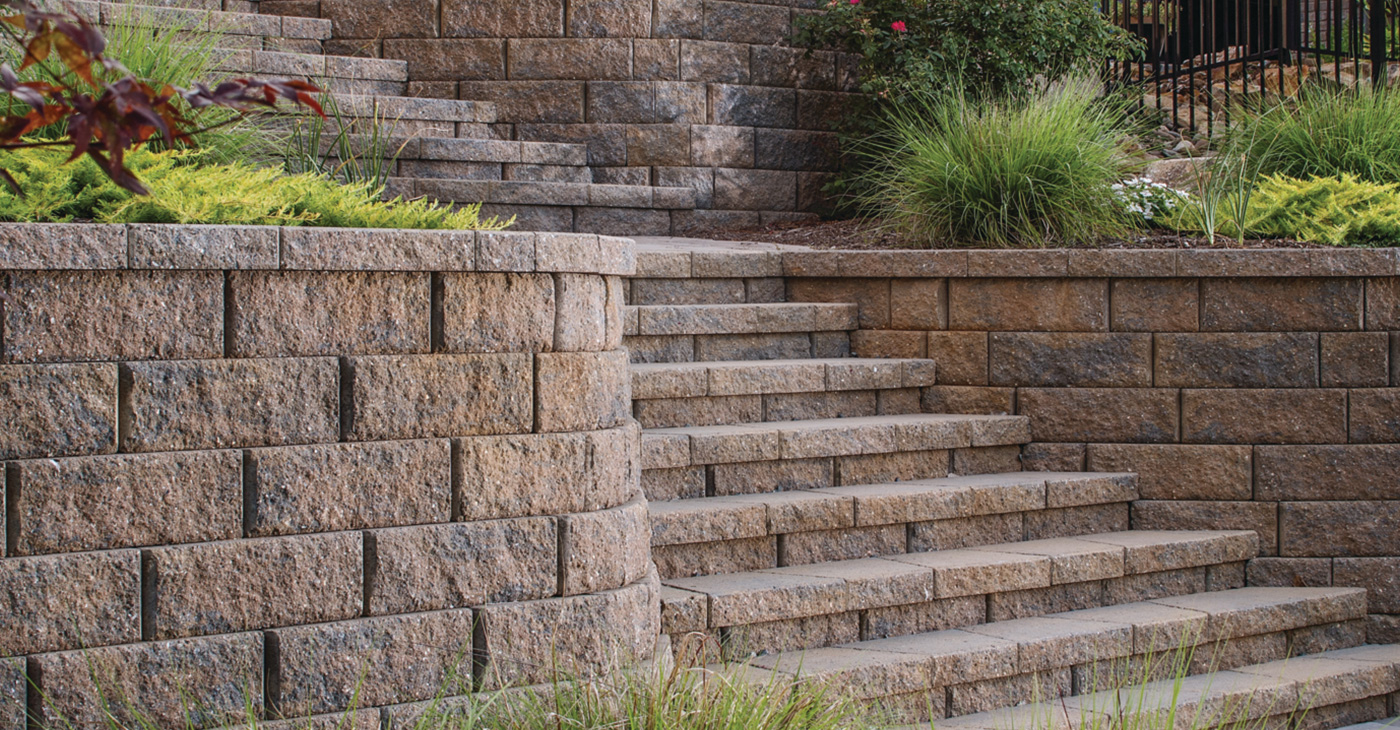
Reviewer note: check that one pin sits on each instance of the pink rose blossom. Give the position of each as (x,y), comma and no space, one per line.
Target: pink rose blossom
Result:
(898,25)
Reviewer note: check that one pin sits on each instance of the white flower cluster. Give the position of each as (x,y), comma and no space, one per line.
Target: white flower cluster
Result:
(1141,196)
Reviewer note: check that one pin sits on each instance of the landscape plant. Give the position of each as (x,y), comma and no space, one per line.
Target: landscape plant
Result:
(958,168)
(1327,131)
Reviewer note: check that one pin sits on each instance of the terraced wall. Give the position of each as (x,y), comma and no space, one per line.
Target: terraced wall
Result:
(244,462)
(1249,389)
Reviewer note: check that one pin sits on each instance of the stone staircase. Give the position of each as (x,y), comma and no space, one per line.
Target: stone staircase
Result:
(448,150)
(808,520)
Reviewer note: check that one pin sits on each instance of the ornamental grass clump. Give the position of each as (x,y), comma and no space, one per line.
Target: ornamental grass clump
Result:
(956,169)
(1326,132)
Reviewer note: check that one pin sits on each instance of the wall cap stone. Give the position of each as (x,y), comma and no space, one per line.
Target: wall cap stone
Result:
(83,246)
(1092,263)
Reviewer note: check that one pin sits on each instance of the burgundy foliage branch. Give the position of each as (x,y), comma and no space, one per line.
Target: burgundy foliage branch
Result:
(107,110)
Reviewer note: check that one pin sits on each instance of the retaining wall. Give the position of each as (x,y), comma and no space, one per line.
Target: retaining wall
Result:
(257,461)
(686,93)
(1249,389)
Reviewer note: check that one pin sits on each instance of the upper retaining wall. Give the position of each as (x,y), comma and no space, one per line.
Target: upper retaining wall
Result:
(248,460)
(692,93)
(1250,389)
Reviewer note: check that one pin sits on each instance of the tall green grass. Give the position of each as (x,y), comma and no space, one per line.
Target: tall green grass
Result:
(1326,132)
(953,169)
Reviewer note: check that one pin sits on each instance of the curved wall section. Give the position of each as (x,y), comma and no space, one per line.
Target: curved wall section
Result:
(255,462)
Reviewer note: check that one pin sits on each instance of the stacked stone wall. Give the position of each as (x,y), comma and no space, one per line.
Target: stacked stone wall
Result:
(307,468)
(677,93)
(1249,389)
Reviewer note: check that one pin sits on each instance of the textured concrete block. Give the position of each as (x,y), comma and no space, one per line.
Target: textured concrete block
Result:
(62,246)
(1339,529)
(92,688)
(498,312)
(1122,415)
(599,632)
(1261,517)
(1237,360)
(1071,521)
(1285,572)
(1263,416)
(314,313)
(581,391)
(1374,416)
(853,543)
(751,106)
(105,502)
(223,587)
(1298,473)
(581,321)
(568,59)
(966,532)
(377,249)
(764,476)
(420,396)
(58,410)
(452,566)
(58,602)
(726,556)
(962,357)
(1172,471)
(1035,305)
(1355,359)
(1071,359)
(1155,305)
(537,474)
(203,404)
(1379,576)
(128,315)
(1280,305)
(163,246)
(369,662)
(606,549)
(460,18)
(329,487)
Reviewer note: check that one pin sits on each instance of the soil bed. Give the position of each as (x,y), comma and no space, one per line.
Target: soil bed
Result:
(870,236)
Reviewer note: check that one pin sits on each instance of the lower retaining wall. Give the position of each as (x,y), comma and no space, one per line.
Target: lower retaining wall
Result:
(1250,389)
(253,463)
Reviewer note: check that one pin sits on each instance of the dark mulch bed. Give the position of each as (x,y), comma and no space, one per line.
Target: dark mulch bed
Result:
(870,236)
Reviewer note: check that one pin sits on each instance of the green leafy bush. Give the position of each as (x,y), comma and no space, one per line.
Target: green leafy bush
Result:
(232,193)
(1340,211)
(1326,133)
(997,46)
(957,169)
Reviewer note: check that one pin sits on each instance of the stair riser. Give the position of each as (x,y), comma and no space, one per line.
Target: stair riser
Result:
(754,477)
(724,410)
(807,548)
(755,290)
(490,170)
(700,348)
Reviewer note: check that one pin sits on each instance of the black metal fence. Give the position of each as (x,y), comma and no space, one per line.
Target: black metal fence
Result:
(1204,59)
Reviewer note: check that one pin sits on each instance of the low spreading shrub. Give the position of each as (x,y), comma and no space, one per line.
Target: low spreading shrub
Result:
(955,169)
(226,193)
(1340,211)
(1326,132)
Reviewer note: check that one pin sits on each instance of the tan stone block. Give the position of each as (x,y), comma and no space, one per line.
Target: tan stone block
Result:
(805,548)
(1237,360)
(279,314)
(1071,521)
(918,304)
(165,246)
(105,502)
(968,399)
(452,566)
(987,460)
(966,532)
(725,556)
(920,618)
(1355,359)
(1374,416)
(809,632)
(581,391)
(1072,560)
(58,602)
(1028,305)
(201,404)
(1041,601)
(682,412)
(974,572)
(615,320)
(872,296)
(811,406)
(442,59)
(668,484)
(98,687)
(970,697)
(1285,572)
(599,632)
(568,59)
(1280,304)
(961,357)
(14,692)
(1121,415)
(378,249)
(541,474)
(1180,471)
(1155,305)
(1049,359)
(889,343)
(1150,586)
(83,246)
(1053,457)
(58,410)
(1339,529)
(753,347)
(70,315)
(524,19)
(421,396)
(369,662)
(1077,490)
(1327,637)
(1261,517)
(895,466)
(328,487)
(683,611)
(1297,473)
(606,549)
(777,476)
(1051,642)
(1263,416)
(1379,576)
(498,312)
(222,587)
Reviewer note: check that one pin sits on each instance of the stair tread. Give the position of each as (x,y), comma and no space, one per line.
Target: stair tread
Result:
(313,65)
(1390,723)
(1250,692)
(840,586)
(516,192)
(733,319)
(187,18)
(921,500)
(759,377)
(698,445)
(412,108)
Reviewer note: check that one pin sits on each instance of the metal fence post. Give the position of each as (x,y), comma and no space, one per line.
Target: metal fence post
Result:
(1379,68)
